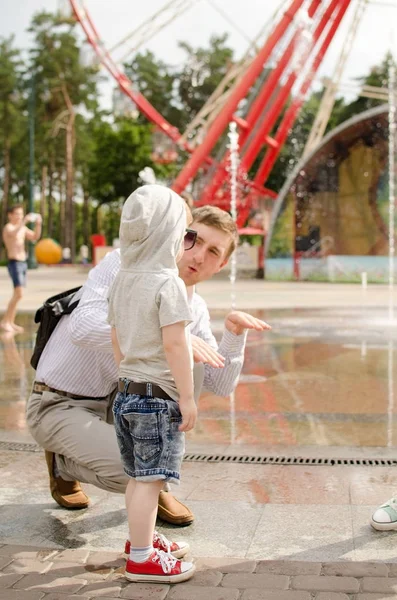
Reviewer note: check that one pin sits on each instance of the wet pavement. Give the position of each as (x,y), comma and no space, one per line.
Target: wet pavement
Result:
(320,378)
(321,384)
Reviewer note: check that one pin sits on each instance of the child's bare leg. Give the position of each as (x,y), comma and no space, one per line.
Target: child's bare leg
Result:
(7,322)
(142,501)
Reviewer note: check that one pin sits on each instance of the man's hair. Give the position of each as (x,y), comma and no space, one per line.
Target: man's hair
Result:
(212,216)
(189,217)
(13,207)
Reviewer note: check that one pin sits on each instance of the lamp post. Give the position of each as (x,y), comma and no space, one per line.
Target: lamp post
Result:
(32,264)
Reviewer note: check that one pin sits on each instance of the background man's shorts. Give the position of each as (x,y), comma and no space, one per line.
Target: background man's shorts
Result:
(151,445)
(17,270)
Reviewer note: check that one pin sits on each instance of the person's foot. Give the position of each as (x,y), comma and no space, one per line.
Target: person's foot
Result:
(160,542)
(385,517)
(67,494)
(172,511)
(7,336)
(159,568)
(17,328)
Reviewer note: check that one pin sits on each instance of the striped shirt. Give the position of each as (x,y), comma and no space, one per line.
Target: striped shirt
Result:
(78,357)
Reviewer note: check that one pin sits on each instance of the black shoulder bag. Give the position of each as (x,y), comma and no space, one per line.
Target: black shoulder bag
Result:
(48,315)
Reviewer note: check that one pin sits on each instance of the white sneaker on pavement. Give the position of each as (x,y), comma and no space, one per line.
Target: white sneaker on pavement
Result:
(385,517)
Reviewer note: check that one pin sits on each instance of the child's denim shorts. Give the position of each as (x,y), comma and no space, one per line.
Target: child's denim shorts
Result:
(151,445)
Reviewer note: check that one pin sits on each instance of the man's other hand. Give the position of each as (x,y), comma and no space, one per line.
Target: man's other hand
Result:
(237,321)
(202,352)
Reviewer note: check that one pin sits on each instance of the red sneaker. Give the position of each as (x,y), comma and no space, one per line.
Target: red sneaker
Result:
(159,568)
(177,549)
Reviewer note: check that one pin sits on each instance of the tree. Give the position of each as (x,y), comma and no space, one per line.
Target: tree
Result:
(63,85)
(204,69)
(11,118)
(121,150)
(156,81)
(378,76)
(178,94)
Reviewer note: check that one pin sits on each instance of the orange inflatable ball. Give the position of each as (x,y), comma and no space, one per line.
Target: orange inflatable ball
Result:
(48,252)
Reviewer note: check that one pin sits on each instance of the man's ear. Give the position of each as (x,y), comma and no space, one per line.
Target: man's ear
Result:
(223,264)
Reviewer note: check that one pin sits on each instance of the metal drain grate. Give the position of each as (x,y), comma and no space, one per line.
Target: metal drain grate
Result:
(291,460)
(21,446)
(248,460)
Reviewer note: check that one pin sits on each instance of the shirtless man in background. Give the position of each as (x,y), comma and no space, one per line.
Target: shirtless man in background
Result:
(15,233)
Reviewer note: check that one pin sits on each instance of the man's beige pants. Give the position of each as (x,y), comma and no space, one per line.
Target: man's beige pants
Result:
(82,435)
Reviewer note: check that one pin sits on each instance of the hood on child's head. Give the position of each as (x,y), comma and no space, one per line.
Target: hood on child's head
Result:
(153,223)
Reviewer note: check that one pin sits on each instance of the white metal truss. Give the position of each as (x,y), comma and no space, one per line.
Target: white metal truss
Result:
(198,126)
(146,30)
(328,99)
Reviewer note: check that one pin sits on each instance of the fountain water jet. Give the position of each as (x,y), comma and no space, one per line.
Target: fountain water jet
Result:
(392,190)
(392,187)
(233,171)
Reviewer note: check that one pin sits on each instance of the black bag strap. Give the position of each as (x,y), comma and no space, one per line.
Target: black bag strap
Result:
(60,304)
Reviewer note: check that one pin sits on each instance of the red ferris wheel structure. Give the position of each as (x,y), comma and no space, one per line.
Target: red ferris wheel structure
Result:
(262,95)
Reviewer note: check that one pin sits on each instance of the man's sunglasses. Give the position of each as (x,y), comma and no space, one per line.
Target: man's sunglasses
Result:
(190,239)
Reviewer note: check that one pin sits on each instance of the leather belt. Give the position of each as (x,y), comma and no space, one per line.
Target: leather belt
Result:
(39,388)
(143,389)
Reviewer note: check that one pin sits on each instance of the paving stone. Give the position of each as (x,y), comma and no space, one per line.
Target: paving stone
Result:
(24,552)
(226,565)
(356,569)
(7,581)
(72,556)
(47,583)
(4,561)
(375,597)
(91,573)
(325,583)
(98,590)
(379,584)
(21,595)
(248,580)
(331,596)
(392,570)
(105,558)
(184,591)
(207,577)
(57,596)
(27,565)
(279,595)
(145,591)
(286,567)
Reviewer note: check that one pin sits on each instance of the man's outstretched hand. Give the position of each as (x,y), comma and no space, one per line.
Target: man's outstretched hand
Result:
(237,321)
(202,352)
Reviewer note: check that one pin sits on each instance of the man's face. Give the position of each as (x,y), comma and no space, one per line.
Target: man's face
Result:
(207,256)
(16,216)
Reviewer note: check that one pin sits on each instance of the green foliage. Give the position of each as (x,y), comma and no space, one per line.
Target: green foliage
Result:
(120,152)
(203,70)
(178,94)
(283,239)
(108,152)
(378,77)
(155,80)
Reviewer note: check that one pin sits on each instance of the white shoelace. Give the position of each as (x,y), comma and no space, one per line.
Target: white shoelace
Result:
(167,561)
(162,539)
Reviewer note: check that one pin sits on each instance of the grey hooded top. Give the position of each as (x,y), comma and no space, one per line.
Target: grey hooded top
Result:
(147,293)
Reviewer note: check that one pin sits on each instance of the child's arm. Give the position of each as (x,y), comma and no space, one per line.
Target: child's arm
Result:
(118,357)
(177,355)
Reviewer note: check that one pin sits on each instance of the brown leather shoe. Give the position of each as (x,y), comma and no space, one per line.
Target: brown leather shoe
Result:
(173,511)
(67,494)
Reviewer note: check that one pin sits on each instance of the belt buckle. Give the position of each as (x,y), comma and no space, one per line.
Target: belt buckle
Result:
(149,390)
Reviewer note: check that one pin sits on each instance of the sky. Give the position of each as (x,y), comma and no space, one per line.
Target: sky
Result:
(114,19)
